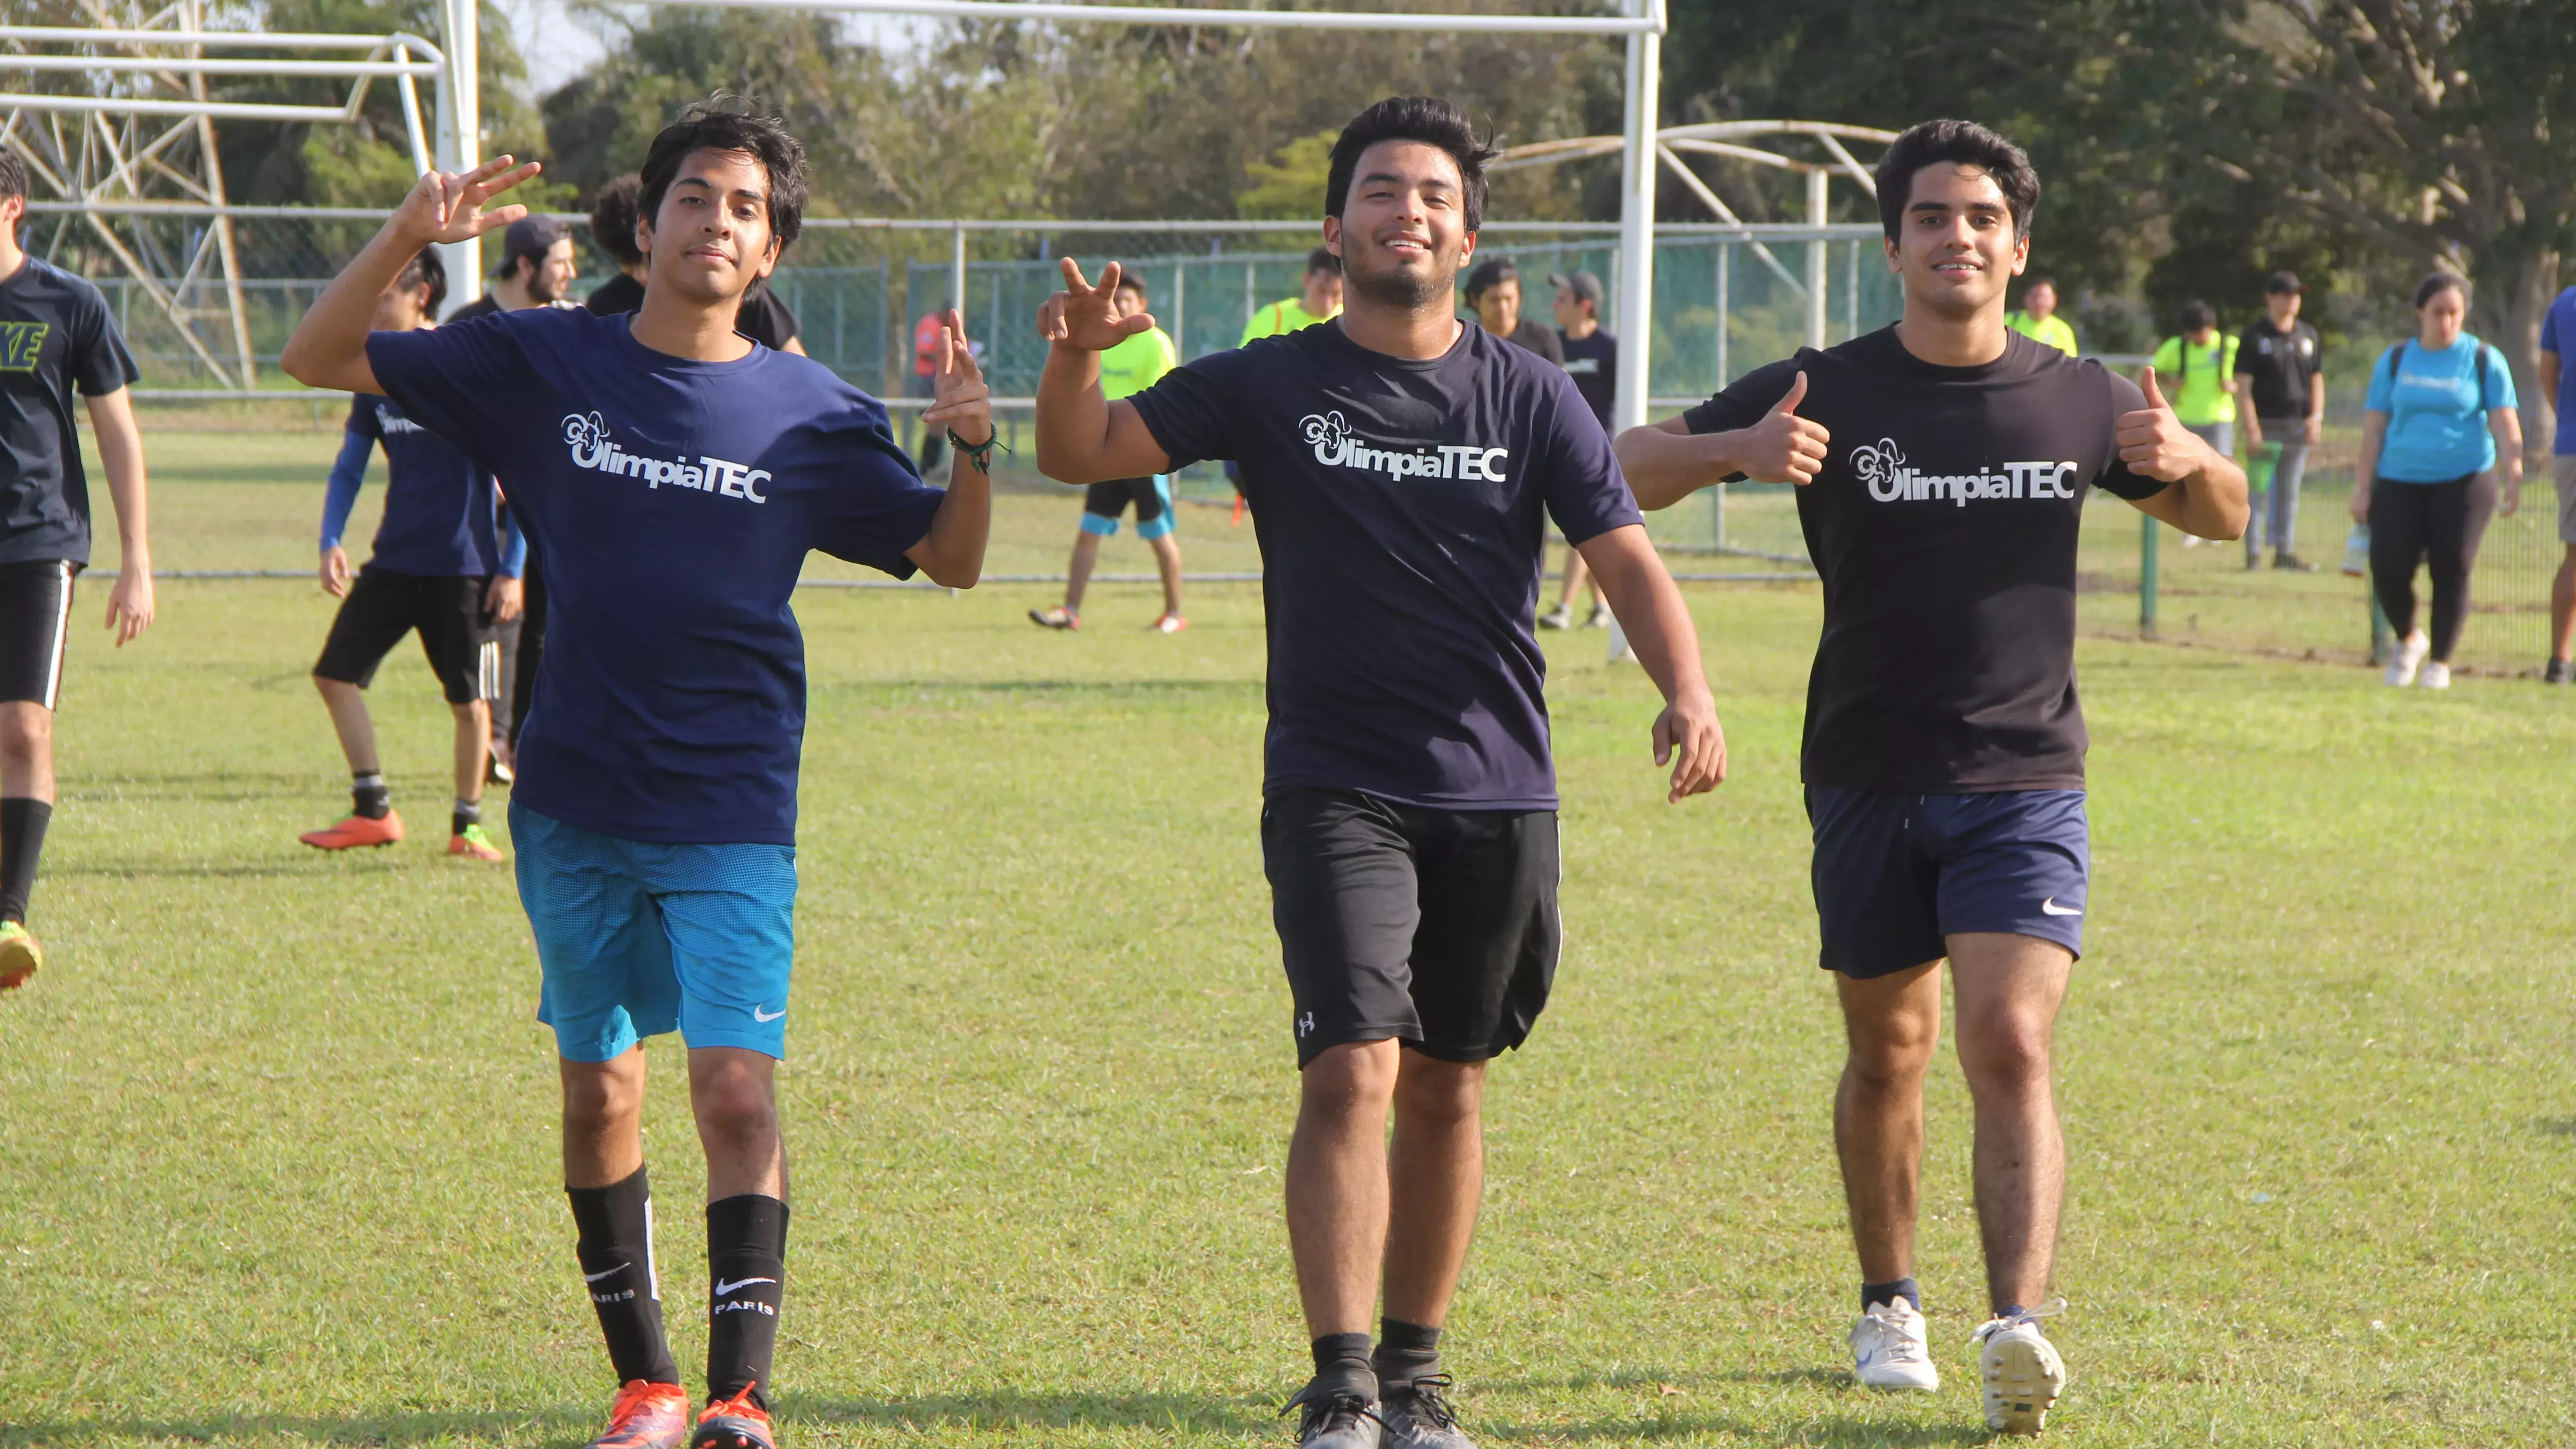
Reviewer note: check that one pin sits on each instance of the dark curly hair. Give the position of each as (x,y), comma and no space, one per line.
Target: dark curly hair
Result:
(724,123)
(1427,119)
(1960,143)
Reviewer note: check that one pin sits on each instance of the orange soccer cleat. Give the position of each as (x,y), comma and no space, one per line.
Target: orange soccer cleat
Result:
(355,831)
(735,1423)
(646,1416)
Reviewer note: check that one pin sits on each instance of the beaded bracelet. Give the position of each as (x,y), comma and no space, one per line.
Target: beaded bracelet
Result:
(979,454)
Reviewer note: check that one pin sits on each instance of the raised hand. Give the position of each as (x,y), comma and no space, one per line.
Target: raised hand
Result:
(1086,316)
(447,206)
(2153,441)
(1784,447)
(958,393)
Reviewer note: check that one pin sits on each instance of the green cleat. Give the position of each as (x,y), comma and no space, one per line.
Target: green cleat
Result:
(19,954)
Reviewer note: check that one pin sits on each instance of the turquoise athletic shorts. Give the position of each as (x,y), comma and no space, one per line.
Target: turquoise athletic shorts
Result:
(636,939)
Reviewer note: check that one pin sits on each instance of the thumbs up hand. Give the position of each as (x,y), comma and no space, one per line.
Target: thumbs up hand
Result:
(2153,441)
(1784,447)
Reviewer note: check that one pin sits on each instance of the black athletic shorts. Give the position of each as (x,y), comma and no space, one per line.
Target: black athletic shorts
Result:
(1436,928)
(454,622)
(35,621)
(1110,499)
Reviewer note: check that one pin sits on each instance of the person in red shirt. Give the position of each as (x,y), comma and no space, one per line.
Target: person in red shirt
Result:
(925,368)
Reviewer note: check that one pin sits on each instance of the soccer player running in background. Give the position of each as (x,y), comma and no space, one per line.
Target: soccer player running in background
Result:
(2558,391)
(2036,318)
(674,475)
(445,563)
(1943,464)
(1592,360)
(1403,468)
(56,336)
(1135,363)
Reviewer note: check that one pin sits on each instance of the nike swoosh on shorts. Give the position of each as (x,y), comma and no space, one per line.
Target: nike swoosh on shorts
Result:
(2048,907)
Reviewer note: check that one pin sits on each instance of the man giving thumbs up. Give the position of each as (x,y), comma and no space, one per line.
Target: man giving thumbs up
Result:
(1943,465)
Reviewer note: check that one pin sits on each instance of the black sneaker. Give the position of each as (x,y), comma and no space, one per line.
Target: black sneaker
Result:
(1417,1416)
(1336,1419)
(2558,671)
(2293,563)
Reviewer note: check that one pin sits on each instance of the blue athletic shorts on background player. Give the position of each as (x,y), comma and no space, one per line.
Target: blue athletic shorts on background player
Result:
(1896,872)
(638,938)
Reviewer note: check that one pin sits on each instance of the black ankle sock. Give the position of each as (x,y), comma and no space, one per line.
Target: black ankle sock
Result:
(22,842)
(1905,1288)
(1342,1361)
(368,795)
(462,814)
(616,1252)
(1405,1352)
(747,1256)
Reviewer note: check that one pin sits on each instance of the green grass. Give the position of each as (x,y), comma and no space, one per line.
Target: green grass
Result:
(278,1164)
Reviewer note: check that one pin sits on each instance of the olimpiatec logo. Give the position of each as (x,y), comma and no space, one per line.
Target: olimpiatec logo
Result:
(1881,466)
(1336,446)
(21,343)
(592,448)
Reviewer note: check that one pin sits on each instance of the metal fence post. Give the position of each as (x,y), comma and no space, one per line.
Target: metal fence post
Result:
(2147,578)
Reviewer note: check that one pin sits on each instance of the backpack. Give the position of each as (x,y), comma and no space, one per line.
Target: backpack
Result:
(2486,365)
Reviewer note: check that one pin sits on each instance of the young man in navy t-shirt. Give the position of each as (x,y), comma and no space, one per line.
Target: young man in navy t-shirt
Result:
(673,474)
(446,563)
(1943,465)
(1402,467)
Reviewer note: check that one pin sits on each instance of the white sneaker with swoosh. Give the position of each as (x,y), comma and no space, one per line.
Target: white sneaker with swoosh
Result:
(1890,1349)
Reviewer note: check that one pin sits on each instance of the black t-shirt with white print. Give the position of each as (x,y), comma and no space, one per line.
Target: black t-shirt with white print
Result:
(1401,508)
(1943,524)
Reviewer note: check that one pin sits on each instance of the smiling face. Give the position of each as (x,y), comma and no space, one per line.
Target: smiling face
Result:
(1402,235)
(1956,247)
(711,237)
(551,276)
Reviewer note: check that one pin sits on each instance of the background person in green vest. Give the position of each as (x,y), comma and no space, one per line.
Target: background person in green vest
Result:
(2203,364)
(2038,319)
(1125,370)
(1321,301)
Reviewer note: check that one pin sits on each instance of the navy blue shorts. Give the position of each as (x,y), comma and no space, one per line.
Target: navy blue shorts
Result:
(1896,874)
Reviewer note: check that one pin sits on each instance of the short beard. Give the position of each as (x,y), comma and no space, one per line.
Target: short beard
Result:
(1399,290)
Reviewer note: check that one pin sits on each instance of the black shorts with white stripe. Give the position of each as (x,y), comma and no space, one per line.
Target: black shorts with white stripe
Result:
(35,621)
(454,621)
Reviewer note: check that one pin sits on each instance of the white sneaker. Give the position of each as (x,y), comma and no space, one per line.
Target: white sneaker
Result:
(1889,1349)
(2408,659)
(2020,1370)
(2436,675)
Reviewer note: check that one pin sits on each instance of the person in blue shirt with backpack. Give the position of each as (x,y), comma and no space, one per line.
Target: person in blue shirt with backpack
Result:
(2440,426)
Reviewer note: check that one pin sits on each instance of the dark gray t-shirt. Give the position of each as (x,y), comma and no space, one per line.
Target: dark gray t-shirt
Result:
(1943,525)
(1401,508)
(55,335)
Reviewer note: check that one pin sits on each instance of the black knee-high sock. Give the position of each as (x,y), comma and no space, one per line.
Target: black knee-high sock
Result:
(747,1258)
(22,842)
(616,1252)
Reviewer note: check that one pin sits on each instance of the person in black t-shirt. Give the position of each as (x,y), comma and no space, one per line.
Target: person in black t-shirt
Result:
(2280,384)
(1494,295)
(56,336)
(1592,360)
(1943,466)
(1402,467)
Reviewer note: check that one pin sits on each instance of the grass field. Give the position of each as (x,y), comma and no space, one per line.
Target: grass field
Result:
(278,1162)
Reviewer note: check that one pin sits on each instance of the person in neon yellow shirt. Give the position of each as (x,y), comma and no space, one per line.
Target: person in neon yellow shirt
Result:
(2206,364)
(2038,319)
(1321,301)
(1126,369)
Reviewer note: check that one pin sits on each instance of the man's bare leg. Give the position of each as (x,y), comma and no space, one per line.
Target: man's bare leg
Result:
(1436,1181)
(1337,1183)
(734,1094)
(603,1118)
(2562,607)
(349,719)
(473,746)
(1167,559)
(2009,988)
(1892,1025)
(1077,571)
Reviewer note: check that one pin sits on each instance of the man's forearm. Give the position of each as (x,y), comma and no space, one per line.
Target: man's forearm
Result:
(959,531)
(329,348)
(1073,417)
(1664,468)
(120,456)
(1650,608)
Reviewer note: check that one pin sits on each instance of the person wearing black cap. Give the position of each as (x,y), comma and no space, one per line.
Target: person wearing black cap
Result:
(1592,356)
(536,270)
(2280,380)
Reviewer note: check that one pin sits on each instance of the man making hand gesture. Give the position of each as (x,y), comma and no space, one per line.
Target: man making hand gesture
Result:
(672,475)
(1401,466)
(1943,465)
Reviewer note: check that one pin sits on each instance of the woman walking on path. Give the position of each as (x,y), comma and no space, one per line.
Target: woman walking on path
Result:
(2440,426)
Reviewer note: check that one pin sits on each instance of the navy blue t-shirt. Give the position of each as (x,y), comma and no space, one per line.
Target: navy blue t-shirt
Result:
(1401,510)
(55,334)
(440,516)
(674,502)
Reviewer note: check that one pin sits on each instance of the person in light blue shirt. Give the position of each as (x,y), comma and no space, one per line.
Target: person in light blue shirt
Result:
(2439,417)
(2558,383)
